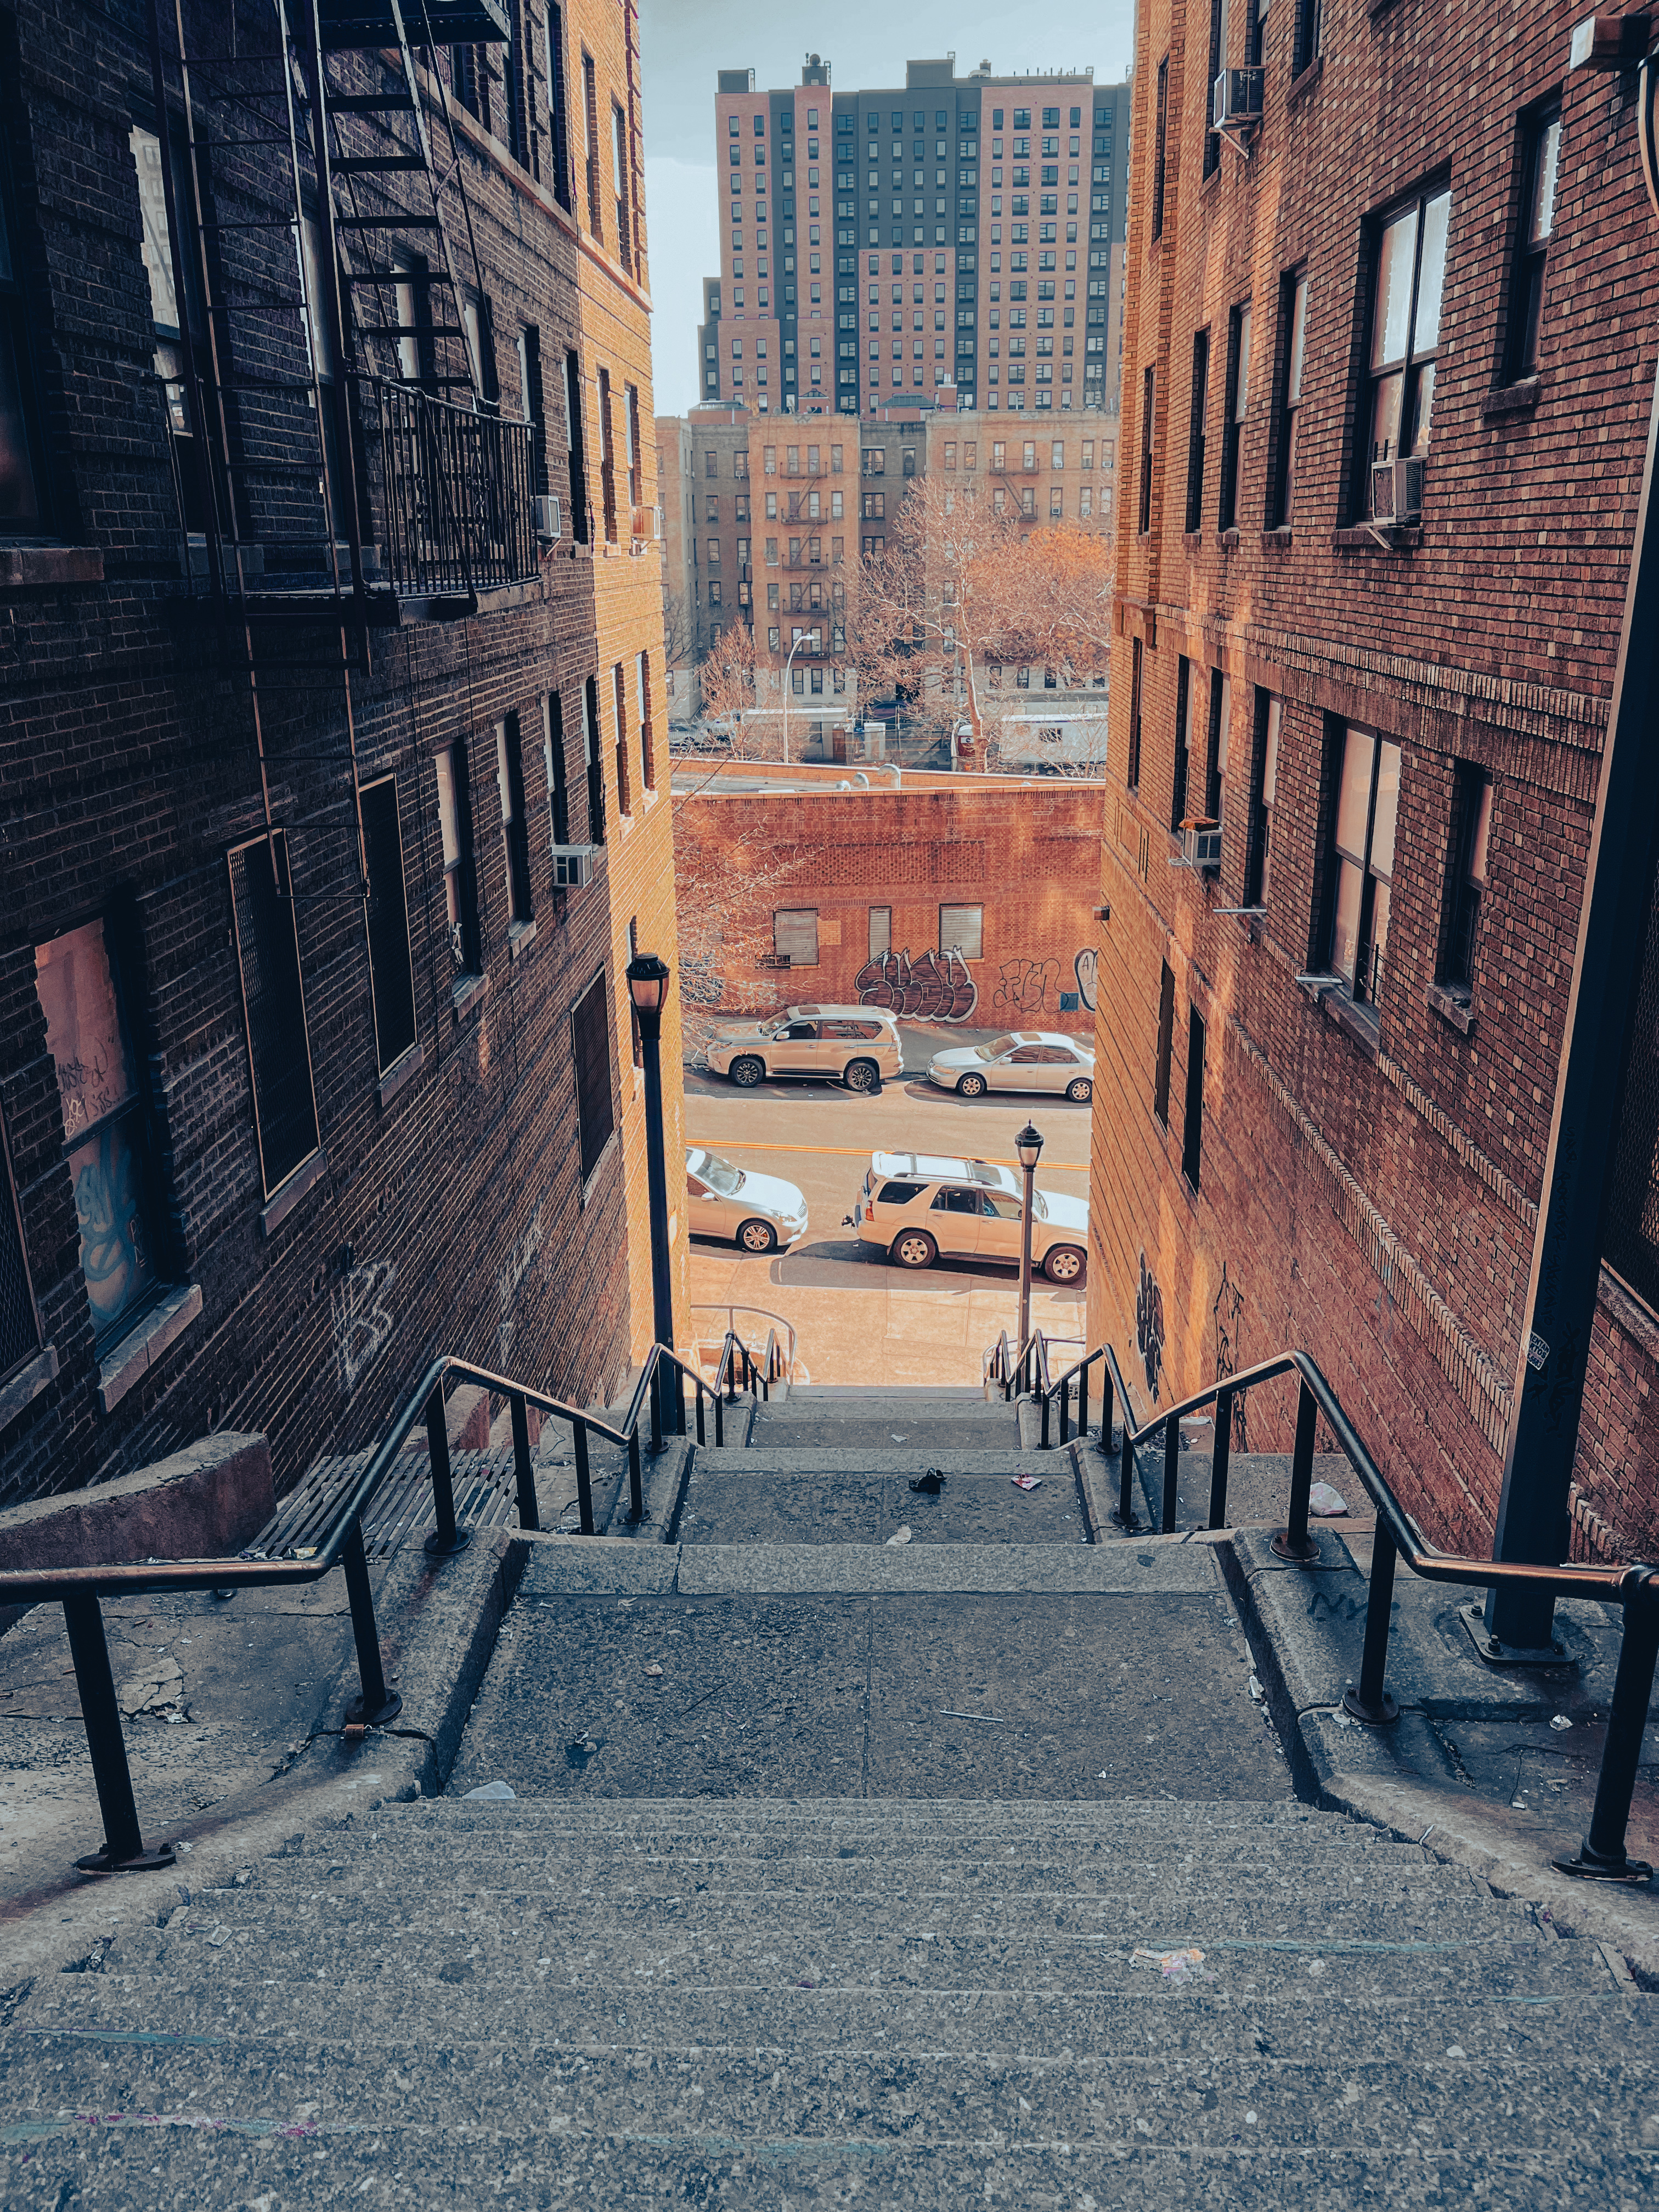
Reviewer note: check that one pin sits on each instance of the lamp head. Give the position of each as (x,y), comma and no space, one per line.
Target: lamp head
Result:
(648,979)
(1029,1145)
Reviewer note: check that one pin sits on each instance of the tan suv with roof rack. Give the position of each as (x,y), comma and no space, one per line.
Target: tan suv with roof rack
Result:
(854,1045)
(919,1208)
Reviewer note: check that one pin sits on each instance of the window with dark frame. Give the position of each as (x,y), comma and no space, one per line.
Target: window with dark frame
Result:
(1467,886)
(23,501)
(607,457)
(595,760)
(109,1133)
(515,843)
(1256,33)
(1405,327)
(1192,1130)
(591,125)
(1363,842)
(1238,406)
(190,473)
(1293,321)
(590,1054)
(391,977)
(1183,717)
(1131,771)
(534,405)
(273,998)
(1264,794)
(648,728)
(624,752)
(557,105)
(1307,42)
(620,179)
(1221,719)
(1165,1044)
(460,878)
(1200,391)
(1161,146)
(1149,392)
(1218,63)
(576,444)
(20,1321)
(1543,156)
(558,784)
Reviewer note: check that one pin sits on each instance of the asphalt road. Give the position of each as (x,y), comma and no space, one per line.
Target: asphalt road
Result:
(858,1318)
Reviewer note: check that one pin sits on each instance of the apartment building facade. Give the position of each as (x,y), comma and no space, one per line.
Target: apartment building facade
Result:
(878,245)
(1381,664)
(333,783)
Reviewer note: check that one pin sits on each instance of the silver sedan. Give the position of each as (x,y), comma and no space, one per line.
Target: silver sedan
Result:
(1024,1059)
(759,1213)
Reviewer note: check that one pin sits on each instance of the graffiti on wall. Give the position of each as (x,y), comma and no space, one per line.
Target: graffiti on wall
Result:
(1086,968)
(363,1327)
(1228,1313)
(1023,985)
(936,985)
(1149,1327)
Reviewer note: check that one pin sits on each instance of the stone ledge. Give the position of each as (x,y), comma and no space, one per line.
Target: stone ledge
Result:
(142,1347)
(25,1386)
(521,936)
(1519,398)
(292,1192)
(203,1502)
(21,565)
(402,1071)
(468,995)
(1303,85)
(1453,1007)
(1377,537)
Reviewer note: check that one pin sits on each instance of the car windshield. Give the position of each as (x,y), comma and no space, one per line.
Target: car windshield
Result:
(997,1047)
(720,1175)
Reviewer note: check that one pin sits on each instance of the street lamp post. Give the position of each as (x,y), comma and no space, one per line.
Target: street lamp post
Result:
(801,638)
(648,979)
(1028,1147)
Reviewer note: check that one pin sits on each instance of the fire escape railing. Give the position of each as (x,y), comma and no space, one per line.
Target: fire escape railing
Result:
(451,489)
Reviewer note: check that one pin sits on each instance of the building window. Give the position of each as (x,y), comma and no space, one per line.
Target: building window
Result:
(1411,270)
(108,1137)
(1293,318)
(515,848)
(961,929)
(1221,716)
(1132,776)
(795,935)
(1183,710)
(1471,841)
(881,930)
(1367,805)
(591,143)
(1238,400)
(1146,398)
(607,457)
(558,787)
(648,728)
(624,749)
(590,1055)
(1165,1044)
(595,761)
(1192,1134)
(1158,151)
(460,881)
(619,179)
(558,122)
(1196,430)
(273,1000)
(1264,789)
(1537,226)
(1309,30)
(1056,501)
(576,446)
(1218,63)
(391,976)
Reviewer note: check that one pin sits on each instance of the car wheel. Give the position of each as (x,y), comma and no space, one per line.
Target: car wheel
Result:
(1064,1264)
(972,1086)
(757,1236)
(914,1247)
(864,1077)
(748,1071)
(1080,1090)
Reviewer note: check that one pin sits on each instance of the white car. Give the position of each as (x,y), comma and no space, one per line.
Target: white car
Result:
(1024,1059)
(918,1209)
(760,1213)
(854,1045)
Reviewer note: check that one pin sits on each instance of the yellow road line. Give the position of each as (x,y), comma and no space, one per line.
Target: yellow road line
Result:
(862,1153)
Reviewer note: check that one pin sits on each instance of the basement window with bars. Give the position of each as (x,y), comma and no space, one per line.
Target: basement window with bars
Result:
(390,976)
(273,1000)
(590,1053)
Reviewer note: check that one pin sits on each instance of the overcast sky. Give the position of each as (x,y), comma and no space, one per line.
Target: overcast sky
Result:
(686,41)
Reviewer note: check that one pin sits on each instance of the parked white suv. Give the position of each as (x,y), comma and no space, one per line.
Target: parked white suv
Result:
(918,1208)
(854,1045)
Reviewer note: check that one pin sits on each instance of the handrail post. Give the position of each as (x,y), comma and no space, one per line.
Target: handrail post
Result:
(1601,1855)
(1220,1458)
(654,1395)
(1370,1703)
(377,1705)
(446,1538)
(636,1481)
(1065,1411)
(124,1845)
(529,1511)
(1294,1543)
(679,1401)
(1045,1421)
(584,1479)
(1171,1472)
(1083,1404)
(720,1420)
(698,1387)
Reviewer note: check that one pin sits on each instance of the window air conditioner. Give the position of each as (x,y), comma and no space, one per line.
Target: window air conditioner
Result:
(1396,491)
(546,517)
(1236,102)
(1200,843)
(572,866)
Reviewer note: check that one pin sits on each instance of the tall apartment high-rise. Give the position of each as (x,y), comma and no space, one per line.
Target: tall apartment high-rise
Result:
(958,240)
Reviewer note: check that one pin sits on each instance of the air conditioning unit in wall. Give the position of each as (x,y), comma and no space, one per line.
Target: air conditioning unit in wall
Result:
(1236,103)
(1396,491)
(546,517)
(1200,844)
(572,866)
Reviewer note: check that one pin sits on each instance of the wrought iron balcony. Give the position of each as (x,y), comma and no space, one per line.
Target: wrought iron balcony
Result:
(452,490)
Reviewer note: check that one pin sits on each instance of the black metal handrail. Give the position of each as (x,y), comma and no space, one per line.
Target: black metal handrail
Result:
(453,493)
(663,1378)
(1601,1855)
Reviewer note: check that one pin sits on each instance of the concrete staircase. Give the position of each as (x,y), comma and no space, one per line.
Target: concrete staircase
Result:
(841,1873)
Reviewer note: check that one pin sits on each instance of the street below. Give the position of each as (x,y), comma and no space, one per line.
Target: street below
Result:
(858,1317)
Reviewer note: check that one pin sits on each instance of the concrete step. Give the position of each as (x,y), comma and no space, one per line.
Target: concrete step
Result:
(814,1497)
(918,1425)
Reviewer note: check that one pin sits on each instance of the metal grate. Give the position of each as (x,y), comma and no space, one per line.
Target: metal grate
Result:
(1630,1235)
(400,1507)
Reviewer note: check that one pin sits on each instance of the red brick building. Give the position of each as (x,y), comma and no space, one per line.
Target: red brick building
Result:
(1387,356)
